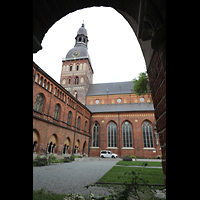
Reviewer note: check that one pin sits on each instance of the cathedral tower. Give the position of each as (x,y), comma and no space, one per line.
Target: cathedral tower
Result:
(77,73)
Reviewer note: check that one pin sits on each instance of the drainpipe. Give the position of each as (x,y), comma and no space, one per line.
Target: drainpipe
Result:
(119,135)
(74,130)
(89,135)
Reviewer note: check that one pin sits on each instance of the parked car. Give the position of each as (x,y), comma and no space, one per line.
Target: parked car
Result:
(108,154)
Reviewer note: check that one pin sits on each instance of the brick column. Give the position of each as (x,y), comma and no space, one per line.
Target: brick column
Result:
(157,80)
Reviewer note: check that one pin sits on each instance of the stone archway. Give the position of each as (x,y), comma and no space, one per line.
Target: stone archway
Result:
(77,147)
(84,148)
(67,146)
(52,144)
(147,19)
(36,141)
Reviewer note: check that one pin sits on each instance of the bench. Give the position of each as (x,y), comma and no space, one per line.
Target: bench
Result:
(42,160)
(66,159)
(127,159)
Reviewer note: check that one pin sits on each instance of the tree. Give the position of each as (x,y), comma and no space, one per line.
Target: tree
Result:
(141,85)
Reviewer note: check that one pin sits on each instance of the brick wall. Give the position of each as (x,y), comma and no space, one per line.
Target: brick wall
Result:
(157,78)
(44,123)
(112,99)
(135,119)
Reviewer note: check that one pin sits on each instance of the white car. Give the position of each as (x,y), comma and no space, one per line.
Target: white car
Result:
(107,154)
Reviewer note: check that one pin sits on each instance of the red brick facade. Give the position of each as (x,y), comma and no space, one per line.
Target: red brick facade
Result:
(47,128)
(135,119)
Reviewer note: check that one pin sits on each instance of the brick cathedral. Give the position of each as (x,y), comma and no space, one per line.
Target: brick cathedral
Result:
(79,117)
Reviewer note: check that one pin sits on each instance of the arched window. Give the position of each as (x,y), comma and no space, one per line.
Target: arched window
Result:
(95,136)
(64,68)
(75,94)
(47,86)
(69,81)
(77,67)
(37,78)
(43,85)
(147,135)
(39,103)
(70,68)
(69,118)
(112,134)
(40,82)
(76,80)
(63,81)
(56,111)
(127,134)
(79,122)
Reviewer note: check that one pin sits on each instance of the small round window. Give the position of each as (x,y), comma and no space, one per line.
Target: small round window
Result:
(141,99)
(119,100)
(97,101)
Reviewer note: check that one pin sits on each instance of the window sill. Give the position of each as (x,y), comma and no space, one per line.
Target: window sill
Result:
(152,148)
(94,148)
(111,148)
(128,148)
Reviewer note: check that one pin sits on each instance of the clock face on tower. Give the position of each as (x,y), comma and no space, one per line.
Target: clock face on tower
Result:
(76,54)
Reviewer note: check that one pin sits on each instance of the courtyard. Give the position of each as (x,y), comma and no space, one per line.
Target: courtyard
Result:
(72,177)
(65,178)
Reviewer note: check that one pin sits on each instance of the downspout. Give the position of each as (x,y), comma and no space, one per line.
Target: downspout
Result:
(89,134)
(74,130)
(119,135)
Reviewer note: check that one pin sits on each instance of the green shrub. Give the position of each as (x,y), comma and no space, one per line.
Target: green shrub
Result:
(133,157)
(52,158)
(72,157)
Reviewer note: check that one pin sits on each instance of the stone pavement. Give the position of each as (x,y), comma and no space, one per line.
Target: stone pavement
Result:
(66,178)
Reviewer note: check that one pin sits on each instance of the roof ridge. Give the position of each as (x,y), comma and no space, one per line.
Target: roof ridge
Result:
(111,82)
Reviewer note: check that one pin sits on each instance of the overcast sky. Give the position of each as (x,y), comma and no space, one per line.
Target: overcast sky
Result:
(113,47)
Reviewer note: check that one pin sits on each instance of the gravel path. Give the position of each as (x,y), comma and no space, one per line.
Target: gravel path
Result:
(66,178)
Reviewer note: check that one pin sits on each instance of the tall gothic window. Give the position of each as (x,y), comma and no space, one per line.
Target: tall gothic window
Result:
(69,117)
(147,134)
(39,103)
(79,122)
(56,111)
(127,134)
(112,134)
(76,80)
(95,136)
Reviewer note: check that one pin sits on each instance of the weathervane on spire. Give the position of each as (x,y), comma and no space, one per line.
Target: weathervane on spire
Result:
(83,24)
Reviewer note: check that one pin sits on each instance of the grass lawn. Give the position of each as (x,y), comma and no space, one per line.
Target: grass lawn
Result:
(116,175)
(139,163)
(43,195)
